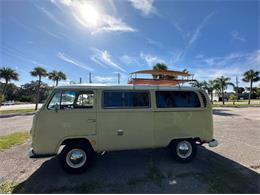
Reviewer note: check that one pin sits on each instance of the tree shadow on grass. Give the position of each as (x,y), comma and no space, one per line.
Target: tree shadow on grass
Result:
(145,171)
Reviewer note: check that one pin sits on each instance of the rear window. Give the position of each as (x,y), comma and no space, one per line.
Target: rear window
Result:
(177,99)
(128,99)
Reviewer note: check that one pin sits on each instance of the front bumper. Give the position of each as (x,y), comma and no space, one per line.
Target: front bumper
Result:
(32,154)
(213,143)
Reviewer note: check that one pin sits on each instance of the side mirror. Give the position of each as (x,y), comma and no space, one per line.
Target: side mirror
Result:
(56,107)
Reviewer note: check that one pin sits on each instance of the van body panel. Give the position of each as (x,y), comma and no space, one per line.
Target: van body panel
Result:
(120,129)
(136,127)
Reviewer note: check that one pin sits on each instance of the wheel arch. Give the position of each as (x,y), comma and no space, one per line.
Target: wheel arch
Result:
(70,140)
(195,139)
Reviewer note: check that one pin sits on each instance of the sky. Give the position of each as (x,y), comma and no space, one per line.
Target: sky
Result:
(104,37)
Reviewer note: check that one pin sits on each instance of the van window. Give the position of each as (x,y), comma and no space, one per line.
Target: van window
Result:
(127,99)
(72,100)
(85,100)
(67,99)
(55,101)
(173,99)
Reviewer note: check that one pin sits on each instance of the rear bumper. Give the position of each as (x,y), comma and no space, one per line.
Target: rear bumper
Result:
(32,154)
(213,143)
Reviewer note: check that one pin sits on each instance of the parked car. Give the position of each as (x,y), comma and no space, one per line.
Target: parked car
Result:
(8,103)
(95,118)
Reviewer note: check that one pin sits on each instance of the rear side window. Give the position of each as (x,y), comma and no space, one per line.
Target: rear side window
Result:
(128,99)
(177,99)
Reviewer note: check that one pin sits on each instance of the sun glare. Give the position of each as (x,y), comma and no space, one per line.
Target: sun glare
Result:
(89,15)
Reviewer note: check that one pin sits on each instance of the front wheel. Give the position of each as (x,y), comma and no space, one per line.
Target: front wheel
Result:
(75,158)
(184,150)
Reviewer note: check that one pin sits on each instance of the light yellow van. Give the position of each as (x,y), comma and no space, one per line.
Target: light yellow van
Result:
(95,118)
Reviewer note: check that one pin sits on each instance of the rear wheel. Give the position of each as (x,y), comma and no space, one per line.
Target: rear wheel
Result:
(184,150)
(75,158)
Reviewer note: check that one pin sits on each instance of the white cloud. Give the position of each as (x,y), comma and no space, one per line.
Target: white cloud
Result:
(104,59)
(51,16)
(128,59)
(195,35)
(88,15)
(145,6)
(231,65)
(42,28)
(73,61)
(151,59)
(237,36)
(111,24)
(105,79)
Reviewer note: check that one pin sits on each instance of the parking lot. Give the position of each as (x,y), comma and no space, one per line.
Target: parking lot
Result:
(232,167)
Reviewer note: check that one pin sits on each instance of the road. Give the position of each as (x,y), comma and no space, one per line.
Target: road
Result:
(15,124)
(232,167)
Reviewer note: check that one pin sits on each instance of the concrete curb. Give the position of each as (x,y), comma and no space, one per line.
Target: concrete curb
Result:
(16,114)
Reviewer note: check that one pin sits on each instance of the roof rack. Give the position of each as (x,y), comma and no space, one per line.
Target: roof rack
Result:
(161,77)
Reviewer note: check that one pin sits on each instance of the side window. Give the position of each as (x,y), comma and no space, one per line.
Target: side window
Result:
(175,99)
(55,101)
(137,99)
(85,100)
(127,99)
(67,99)
(113,99)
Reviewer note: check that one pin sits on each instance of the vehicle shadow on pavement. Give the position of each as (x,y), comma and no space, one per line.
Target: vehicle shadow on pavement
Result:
(146,171)
(223,112)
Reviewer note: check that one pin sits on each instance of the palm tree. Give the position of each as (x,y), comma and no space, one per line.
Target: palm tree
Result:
(162,66)
(38,72)
(8,74)
(56,76)
(200,85)
(211,86)
(221,83)
(251,76)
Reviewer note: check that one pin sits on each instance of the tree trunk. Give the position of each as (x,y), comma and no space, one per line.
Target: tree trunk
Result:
(57,81)
(211,97)
(222,91)
(4,89)
(251,85)
(38,94)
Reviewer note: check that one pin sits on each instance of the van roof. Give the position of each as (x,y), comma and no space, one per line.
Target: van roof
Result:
(126,86)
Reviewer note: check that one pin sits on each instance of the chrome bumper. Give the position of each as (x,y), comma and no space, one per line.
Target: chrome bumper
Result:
(213,143)
(32,154)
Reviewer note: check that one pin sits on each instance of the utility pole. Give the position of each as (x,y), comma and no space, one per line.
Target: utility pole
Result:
(118,78)
(89,77)
(80,80)
(237,87)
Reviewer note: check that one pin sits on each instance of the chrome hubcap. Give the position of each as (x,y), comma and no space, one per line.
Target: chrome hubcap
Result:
(184,149)
(76,158)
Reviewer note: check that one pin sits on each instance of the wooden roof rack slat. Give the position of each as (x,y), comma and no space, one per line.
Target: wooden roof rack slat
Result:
(162,72)
(163,81)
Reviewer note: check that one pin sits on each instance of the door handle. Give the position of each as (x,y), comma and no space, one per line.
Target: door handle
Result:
(120,132)
(91,120)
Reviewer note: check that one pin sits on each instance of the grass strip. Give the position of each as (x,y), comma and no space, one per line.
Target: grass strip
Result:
(7,141)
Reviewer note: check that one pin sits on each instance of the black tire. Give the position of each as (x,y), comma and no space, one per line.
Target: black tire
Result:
(180,157)
(82,148)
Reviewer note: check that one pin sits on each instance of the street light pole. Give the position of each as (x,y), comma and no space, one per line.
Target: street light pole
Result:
(90,81)
(118,78)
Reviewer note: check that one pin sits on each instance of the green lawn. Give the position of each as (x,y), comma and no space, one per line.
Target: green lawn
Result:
(235,105)
(16,111)
(7,141)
